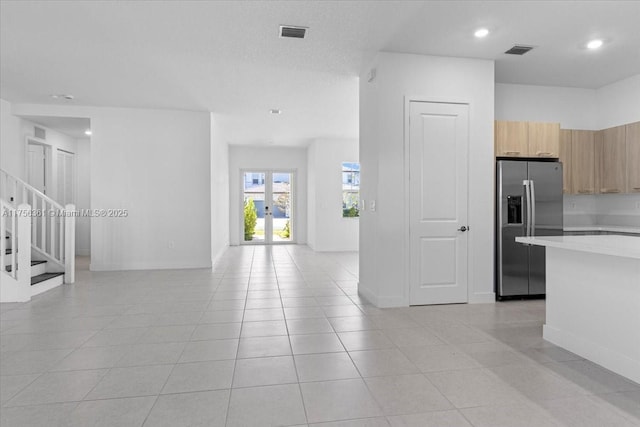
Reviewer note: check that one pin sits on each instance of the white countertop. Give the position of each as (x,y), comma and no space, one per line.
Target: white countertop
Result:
(613,228)
(622,246)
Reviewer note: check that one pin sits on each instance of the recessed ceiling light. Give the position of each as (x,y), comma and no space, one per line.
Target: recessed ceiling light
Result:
(275,111)
(87,132)
(482,32)
(68,97)
(594,44)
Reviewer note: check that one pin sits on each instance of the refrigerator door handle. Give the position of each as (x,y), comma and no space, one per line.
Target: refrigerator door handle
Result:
(532,190)
(527,195)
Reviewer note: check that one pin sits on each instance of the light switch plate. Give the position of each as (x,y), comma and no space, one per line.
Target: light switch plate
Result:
(372,205)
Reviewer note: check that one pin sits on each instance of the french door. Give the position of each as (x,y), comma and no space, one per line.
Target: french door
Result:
(267,207)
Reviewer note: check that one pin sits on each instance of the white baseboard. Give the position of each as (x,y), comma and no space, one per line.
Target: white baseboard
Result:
(483,298)
(334,248)
(367,295)
(216,257)
(391,302)
(381,301)
(150,266)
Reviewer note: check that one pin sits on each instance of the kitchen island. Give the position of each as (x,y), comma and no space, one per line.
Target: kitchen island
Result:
(593,298)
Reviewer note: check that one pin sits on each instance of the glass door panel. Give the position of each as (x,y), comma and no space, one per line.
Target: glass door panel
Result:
(281,206)
(254,206)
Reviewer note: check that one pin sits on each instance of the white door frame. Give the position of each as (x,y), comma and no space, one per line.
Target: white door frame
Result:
(294,211)
(408,99)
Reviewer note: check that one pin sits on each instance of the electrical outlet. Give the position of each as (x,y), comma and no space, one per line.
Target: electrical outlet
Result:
(372,205)
(637,205)
(573,205)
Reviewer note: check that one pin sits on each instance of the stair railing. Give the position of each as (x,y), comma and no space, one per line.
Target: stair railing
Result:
(52,225)
(16,223)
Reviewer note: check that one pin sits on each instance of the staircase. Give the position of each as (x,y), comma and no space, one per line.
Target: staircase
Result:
(39,277)
(37,241)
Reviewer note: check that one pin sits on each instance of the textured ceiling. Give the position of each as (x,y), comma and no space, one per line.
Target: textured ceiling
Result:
(225,57)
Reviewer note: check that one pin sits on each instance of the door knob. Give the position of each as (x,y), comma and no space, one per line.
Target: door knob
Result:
(463,228)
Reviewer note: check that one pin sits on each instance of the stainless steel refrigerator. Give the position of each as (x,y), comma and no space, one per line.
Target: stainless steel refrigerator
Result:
(529,203)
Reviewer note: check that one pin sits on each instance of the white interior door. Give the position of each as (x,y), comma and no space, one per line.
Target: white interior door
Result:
(66,177)
(36,164)
(438,185)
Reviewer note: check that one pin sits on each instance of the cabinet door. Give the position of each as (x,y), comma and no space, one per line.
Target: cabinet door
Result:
(565,158)
(613,161)
(544,139)
(511,139)
(583,161)
(633,157)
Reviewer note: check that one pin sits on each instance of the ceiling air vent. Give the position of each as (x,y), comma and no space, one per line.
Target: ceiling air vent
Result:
(293,32)
(39,132)
(519,50)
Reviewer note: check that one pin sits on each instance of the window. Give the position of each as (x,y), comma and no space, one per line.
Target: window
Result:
(350,189)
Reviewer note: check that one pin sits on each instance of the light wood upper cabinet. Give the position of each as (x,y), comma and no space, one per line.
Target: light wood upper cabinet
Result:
(583,162)
(598,143)
(604,161)
(633,157)
(544,139)
(612,160)
(527,139)
(511,139)
(565,158)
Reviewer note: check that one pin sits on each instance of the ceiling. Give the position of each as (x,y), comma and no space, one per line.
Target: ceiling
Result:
(226,57)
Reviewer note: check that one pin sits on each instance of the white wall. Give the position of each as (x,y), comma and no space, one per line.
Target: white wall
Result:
(83,195)
(241,157)
(619,103)
(383,276)
(11,144)
(574,108)
(312,203)
(592,109)
(328,230)
(219,190)
(156,164)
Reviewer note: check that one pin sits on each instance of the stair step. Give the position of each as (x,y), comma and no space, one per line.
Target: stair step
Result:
(33,263)
(42,277)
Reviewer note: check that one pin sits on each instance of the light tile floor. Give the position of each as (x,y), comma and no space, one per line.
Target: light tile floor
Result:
(278,336)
